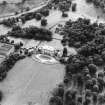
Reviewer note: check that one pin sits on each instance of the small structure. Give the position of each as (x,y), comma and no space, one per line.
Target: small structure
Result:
(2,58)
(6,49)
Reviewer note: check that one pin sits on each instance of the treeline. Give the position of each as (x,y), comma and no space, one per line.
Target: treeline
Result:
(31,33)
(7,64)
(84,82)
(43,12)
(88,38)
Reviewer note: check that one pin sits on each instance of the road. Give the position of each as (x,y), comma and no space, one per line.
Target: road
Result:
(32,10)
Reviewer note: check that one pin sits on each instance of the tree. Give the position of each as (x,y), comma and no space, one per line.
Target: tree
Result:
(17,46)
(59,91)
(27,8)
(74,7)
(16,13)
(92,69)
(94,81)
(64,52)
(44,22)
(21,44)
(79,99)
(26,51)
(67,79)
(89,1)
(100,74)
(64,14)
(87,77)
(70,68)
(87,102)
(55,100)
(12,41)
(89,85)
(68,97)
(88,93)
(23,20)
(65,5)
(98,60)
(86,71)
(95,98)
(71,93)
(38,16)
(45,12)
(23,1)
(16,28)
(1,96)
(4,2)
(95,88)
(101,99)
(101,84)
(103,55)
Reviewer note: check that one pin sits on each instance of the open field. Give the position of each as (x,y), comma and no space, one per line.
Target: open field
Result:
(30,81)
(12,8)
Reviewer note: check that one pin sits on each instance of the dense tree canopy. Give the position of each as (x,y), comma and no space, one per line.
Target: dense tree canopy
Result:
(83,69)
(32,33)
